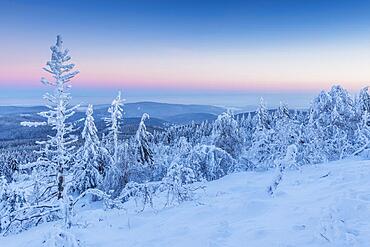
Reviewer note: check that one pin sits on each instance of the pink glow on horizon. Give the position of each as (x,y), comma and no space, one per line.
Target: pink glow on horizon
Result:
(82,81)
(294,69)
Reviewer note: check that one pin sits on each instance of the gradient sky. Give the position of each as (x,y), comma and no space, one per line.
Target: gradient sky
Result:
(190,46)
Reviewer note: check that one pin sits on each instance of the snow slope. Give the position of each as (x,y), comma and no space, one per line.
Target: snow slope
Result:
(324,205)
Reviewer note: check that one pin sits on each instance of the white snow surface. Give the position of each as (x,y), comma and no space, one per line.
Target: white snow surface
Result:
(323,205)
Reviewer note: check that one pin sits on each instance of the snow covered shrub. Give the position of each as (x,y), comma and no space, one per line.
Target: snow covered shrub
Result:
(333,228)
(58,237)
(9,166)
(176,183)
(209,162)
(162,156)
(165,155)
(12,200)
(140,192)
(287,162)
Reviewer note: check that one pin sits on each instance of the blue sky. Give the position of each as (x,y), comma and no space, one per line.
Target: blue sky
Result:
(190,46)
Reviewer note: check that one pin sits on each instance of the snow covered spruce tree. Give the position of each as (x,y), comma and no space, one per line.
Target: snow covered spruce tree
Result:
(88,171)
(286,130)
(262,152)
(113,123)
(144,153)
(59,146)
(246,127)
(116,176)
(56,152)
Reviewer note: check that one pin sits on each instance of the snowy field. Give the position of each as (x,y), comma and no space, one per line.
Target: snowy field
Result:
(323,205)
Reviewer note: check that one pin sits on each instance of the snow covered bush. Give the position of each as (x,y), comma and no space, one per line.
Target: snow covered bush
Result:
(287,162)
(142,193)
(209,162)
(176,182)
(59,237)
(12,202)
(8,168)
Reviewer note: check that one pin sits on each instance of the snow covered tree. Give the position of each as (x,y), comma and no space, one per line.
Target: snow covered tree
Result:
(8,168)
(263,120)
(286,130)
(310,145)
(226,134)
(87,172)
(362,136)
(59,146)
(114,123)
(262,153)
(116,176)
(362,103)
(201,133)
(246,126)
(339,144)
(144,152)
(57,151)
(332,114)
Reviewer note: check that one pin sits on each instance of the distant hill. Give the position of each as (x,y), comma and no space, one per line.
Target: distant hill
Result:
(5,110)
(161,116)
(161,110)
(191,117)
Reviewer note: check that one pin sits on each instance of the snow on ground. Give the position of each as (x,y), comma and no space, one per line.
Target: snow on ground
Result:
(324,205)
